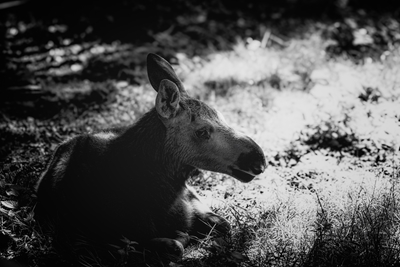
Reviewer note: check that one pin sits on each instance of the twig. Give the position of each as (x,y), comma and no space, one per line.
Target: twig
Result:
(12,4)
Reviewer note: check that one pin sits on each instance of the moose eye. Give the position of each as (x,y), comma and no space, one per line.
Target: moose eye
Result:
(203,134)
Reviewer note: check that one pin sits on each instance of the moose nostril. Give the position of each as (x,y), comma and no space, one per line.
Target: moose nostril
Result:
(258,169)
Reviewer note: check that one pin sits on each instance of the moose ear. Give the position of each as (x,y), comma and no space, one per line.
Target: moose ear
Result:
(167,101)
(159,69)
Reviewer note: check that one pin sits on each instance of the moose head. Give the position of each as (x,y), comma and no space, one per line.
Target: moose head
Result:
(197,133)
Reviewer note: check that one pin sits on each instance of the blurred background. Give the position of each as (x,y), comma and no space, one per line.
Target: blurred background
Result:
(47,41)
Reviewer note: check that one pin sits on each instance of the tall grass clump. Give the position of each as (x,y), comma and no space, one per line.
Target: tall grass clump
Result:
(353,220)
(366,234)
(357,224)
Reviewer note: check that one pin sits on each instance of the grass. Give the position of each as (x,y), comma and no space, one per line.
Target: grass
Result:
(349,219)
(330,131)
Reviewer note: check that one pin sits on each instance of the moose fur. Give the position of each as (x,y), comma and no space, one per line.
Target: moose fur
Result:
(131,182)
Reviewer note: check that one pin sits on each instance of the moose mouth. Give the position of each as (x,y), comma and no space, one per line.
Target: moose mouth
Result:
(242,176)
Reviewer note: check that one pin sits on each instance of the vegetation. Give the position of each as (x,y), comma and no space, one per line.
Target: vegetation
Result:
(320,94)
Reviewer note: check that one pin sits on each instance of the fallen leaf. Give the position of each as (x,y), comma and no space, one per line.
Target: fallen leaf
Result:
(12,192)
(10,204)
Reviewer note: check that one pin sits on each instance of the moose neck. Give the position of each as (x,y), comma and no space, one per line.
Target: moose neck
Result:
(144,146)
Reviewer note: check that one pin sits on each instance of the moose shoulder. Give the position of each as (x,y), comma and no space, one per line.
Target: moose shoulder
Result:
(132,182)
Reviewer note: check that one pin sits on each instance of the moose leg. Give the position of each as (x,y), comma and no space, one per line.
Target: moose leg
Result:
(206,222)
(209,223)
(170,249)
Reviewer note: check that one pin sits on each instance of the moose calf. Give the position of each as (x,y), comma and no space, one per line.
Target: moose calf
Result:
(132,183)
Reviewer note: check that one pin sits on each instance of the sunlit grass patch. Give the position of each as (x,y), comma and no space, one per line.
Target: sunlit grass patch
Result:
(350,217)
(359,226)
(242,67)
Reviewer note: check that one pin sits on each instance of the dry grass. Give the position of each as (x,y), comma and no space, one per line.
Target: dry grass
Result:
(350,218)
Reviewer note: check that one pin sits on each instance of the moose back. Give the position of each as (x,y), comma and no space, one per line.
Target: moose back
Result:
(132,182)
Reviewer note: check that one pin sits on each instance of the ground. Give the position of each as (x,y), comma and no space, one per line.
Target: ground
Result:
(320,96)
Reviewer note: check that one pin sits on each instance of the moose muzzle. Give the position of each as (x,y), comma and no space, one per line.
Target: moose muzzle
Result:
(250,164)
